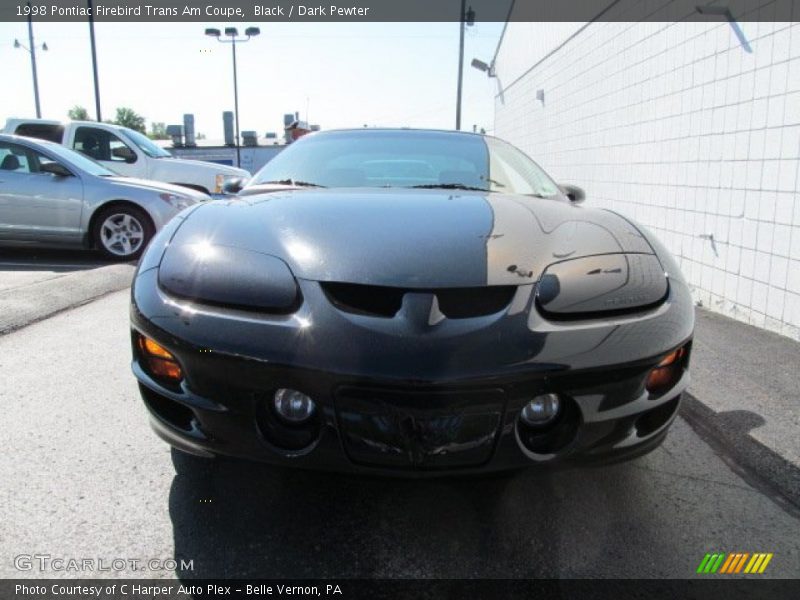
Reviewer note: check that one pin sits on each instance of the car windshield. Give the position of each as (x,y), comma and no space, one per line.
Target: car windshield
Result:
(147,145)
(80,161)
(409,159)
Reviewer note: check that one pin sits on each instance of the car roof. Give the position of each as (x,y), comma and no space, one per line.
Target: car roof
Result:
(401,129)
(21,139)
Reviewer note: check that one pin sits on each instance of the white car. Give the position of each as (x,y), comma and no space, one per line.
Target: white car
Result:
(129,153)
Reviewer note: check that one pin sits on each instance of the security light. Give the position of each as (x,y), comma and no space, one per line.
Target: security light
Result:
(480,65)
(722,11)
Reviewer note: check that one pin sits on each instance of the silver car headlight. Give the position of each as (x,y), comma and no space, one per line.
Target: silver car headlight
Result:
(177,201)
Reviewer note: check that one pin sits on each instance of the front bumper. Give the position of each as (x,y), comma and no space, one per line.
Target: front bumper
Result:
(408,426)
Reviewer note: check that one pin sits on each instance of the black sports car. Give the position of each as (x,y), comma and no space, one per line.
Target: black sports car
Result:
(409,302)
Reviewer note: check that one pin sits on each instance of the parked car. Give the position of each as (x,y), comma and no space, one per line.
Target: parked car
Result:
(128,152)
(458,313)
(50,195)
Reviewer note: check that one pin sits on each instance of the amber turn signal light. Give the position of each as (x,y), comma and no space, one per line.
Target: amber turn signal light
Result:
(666,372)
(159,361)
(153,348)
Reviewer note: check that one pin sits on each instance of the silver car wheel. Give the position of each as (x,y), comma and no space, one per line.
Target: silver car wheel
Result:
(122,234)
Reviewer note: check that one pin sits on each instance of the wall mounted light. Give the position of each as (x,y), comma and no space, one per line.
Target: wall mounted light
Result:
(724,11)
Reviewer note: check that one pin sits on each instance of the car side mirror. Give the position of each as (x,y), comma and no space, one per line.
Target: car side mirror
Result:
(233,186)
(575,194)
(125,153)
(55,168)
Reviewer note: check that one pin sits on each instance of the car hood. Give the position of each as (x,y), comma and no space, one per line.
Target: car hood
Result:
(411,238)
(191,166)
(157,186)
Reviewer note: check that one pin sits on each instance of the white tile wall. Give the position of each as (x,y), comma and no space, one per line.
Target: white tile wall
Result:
(678,126)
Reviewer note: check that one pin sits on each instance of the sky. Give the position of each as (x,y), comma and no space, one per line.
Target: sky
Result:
(334,74)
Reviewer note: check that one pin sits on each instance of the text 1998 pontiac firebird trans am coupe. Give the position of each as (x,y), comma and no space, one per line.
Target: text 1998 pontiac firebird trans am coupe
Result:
(409,302)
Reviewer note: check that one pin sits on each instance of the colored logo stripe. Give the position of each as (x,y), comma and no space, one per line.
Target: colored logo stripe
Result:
(734,562)
(758,563)
(711,563)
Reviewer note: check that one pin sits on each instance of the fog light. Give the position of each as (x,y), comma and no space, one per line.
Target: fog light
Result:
(293,406)
(541,410)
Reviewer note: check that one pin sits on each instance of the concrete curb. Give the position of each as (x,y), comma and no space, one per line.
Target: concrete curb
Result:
(29,304)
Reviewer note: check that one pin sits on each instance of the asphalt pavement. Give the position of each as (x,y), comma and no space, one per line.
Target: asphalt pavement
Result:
(86,478)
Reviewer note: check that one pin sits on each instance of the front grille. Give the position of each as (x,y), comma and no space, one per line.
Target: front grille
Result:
(374,300)
(419,429)
(385,301)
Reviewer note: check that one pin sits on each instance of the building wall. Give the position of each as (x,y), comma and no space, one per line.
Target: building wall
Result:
(681,127)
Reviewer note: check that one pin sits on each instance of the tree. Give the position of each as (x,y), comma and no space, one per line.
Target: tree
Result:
(78,113)
(127,117)
(158,131)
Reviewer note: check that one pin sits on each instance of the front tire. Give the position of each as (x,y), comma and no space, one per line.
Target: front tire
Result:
(122,232)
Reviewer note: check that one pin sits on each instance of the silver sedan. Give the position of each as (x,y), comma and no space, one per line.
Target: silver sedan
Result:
(53,196)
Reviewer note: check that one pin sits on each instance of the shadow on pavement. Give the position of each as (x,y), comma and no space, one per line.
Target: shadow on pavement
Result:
(52,260)
(242,520)
(246,520)
(728,433)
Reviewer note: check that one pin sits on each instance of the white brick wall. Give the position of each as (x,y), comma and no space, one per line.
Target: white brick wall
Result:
(678,126)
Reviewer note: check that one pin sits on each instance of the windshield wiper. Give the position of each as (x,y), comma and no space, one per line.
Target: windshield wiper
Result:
(493,181)
(449,186)
(291,182)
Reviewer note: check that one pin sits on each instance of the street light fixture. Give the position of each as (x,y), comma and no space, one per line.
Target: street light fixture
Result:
(482,66)
(233,34)
(466,18)
(31,48)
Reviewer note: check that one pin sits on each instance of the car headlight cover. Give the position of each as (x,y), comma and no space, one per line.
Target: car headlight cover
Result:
(228,276)
(584,287)
(176,200)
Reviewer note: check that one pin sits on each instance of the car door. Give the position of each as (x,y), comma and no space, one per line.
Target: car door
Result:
(110,150)
(37,206)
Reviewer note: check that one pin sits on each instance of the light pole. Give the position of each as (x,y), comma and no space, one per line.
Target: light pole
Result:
(31,48)
(233,35)
(466,18)
(94,62)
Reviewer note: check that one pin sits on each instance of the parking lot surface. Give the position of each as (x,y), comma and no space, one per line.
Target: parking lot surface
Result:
(87,478)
